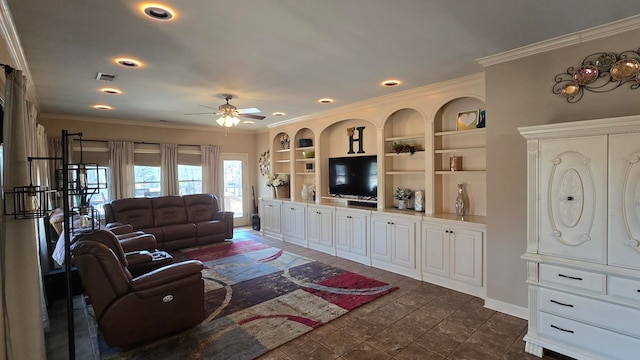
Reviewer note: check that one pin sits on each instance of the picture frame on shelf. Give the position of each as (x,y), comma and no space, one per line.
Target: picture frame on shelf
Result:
(467,119)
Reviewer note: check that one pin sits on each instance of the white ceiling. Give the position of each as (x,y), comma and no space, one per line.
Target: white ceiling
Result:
(276,55)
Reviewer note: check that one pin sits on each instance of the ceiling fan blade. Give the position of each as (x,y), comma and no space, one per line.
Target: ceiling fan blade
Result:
(205,113)
(251,116)
(249,111)
(214,108)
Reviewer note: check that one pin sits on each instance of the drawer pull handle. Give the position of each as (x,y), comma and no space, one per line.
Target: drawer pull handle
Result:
(570,277)
(561,329)
(559,303)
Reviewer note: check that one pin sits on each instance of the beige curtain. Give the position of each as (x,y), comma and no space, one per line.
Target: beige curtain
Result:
(121,167)
(20,289)
(41,171)
(211,174)
(169,168)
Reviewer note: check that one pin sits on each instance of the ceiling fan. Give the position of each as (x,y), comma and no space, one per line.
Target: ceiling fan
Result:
(229,114)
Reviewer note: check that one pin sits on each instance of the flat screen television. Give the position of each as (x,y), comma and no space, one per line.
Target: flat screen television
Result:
(354,176)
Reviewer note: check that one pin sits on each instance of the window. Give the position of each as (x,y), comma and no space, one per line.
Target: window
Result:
(147,181)
(101,197)
(189,179)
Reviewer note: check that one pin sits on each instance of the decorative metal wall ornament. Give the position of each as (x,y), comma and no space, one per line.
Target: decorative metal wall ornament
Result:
(599,72)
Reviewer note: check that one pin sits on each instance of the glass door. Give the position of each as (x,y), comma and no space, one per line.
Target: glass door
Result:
(235,195)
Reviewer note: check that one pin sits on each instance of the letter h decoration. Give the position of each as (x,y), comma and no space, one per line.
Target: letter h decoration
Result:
(350,132)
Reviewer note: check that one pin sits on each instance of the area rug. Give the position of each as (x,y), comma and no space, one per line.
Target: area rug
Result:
(257,298)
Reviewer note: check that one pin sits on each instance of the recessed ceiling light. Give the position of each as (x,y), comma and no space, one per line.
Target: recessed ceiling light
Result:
(325,101)
(248,122)
(390,83)
(128,62)
(278,113)
(111,91)
(102,107)
(158,12)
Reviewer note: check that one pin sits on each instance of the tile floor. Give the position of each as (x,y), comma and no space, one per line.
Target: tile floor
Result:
(417,321)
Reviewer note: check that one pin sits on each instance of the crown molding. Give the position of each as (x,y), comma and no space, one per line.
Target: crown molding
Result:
(14,48)
(376,102)
(613,28)
(143,123)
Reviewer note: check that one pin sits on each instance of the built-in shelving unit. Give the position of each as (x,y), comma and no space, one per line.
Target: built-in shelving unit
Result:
(404,169)
(470,145)
(304,167)
(281,157)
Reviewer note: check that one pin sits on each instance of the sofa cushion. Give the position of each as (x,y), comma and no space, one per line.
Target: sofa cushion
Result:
(138,212)
(200,207)
(168,210)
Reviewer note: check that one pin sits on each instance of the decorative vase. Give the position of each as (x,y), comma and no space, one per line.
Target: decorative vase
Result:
(402,204)
(282,192)
(305,192)
(461,202)
(419,201)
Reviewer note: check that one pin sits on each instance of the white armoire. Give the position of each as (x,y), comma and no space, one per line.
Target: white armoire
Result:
(583,238)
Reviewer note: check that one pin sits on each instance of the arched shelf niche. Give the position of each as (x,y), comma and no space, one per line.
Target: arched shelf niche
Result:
(281,160)
(304,166)
(463,139)
(334,141)
(404,160)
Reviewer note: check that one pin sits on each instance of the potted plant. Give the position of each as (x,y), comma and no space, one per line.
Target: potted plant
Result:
(402,195)
(277,180)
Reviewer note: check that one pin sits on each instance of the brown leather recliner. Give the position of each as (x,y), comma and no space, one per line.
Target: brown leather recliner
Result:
(130,310)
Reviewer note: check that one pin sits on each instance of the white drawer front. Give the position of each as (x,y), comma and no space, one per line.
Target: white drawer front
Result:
(579,279)
(610,316)
(609,344)
(624,288)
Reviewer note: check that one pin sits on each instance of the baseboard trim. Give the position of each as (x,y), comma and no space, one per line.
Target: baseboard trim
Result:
(509,309)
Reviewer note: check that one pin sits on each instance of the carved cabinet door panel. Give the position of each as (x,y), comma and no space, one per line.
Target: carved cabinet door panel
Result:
(573,198)
(624,200)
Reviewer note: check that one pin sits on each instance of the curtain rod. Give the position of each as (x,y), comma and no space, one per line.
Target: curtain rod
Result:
(140,142)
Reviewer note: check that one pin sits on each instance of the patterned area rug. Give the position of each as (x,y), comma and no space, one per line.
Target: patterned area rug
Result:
(257,298)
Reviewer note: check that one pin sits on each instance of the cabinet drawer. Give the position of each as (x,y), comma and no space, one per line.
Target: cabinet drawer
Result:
(599,313)
(579,279)
(606,343)
(624,288)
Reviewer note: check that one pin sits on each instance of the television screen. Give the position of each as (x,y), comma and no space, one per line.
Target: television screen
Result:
(354,176)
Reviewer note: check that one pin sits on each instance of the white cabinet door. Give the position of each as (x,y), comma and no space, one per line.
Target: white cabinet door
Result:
(320,228)
(465,248)
(435,249)
(351,235)
(403,243)
(393,244)
(573,198)
(293,223)
(381,238)
(624,200)
(270,219)
(359,226)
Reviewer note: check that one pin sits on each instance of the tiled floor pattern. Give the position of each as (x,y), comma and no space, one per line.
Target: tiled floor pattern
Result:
(417,321)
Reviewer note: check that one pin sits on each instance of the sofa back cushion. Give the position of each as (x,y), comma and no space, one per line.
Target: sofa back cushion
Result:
(168,210)
(135,211)
(200,207)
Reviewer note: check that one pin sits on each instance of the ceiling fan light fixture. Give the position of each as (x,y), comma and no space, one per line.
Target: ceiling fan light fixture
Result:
(158,12)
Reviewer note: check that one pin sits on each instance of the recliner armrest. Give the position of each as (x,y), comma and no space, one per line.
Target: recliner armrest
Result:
(227,218)
(119,228)
(166,274)
(138,257)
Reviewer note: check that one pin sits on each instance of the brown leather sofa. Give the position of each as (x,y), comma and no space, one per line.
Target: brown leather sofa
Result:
(131,310)
(175,221)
